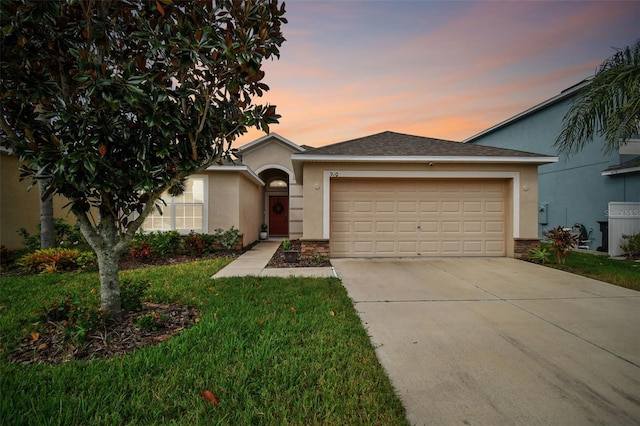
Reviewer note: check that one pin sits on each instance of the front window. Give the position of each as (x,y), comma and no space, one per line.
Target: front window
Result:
(184,213)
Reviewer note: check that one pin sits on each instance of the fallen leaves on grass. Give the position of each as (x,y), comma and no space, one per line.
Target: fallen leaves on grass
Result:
(210,397)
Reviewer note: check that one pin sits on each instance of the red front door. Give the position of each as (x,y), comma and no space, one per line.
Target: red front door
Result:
(278,215)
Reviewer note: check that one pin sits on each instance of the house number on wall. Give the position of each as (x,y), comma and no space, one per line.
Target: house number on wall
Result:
(333,174)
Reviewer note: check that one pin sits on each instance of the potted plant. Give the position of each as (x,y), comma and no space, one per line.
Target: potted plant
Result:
(263,231)
(290,255)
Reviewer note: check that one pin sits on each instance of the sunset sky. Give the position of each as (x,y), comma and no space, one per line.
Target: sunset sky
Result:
(432,68)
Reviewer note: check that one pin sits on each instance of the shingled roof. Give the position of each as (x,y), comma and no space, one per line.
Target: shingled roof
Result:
(392,144)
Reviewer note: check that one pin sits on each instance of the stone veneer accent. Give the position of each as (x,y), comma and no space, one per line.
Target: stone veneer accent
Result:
(521,247)
(311,248)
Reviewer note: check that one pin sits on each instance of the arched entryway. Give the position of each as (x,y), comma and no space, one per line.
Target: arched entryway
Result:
(276,202)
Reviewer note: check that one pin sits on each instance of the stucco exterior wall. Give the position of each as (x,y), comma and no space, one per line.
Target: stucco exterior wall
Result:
(523,175)
(573,188)
(20,208)
(251,209)
(224,200)
(235,200)
(268,155)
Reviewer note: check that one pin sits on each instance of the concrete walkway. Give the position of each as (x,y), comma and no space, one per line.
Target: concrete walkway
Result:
(254,262)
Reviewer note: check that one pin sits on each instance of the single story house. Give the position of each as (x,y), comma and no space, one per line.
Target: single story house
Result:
(578,188)
(384,195)
(387,194)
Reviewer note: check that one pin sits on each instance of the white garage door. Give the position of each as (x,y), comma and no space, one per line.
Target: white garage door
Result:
(423,217)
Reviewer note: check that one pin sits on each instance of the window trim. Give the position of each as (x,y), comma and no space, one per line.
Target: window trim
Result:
(170,209)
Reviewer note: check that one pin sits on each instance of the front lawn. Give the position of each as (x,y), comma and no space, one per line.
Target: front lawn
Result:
(271,351)
(624,273)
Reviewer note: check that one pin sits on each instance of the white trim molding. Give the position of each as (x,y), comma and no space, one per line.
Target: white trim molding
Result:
(242,169)
(462,174)
(280,167)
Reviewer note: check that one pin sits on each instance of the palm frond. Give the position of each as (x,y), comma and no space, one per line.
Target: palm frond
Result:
(608,107)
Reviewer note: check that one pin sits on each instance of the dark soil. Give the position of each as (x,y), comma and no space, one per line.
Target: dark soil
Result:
(277,261)
(52,346)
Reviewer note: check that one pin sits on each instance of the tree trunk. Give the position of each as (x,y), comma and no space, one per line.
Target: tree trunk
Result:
(110,300)
(105,241)
(47,230)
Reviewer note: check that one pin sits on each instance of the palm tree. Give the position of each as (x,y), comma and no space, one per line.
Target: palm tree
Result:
(608,106)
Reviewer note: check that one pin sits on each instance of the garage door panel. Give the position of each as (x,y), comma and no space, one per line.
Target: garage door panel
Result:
(429,227)
(407,227)
(363,226)
(427,207)
(385,207)
(363,248)
(363,207)
(428,247)
(473,247)
(385,226)
(472,206)
(450,227)
(407,248)
(451,248)
(494,207)
(450,207)
(385,248)
(494,248)
(430,217)
(472,226)
(494,227)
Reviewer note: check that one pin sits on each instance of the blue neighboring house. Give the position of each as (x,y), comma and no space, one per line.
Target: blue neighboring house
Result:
(578,188)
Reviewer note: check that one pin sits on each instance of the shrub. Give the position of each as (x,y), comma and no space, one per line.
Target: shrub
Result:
(164,243)
(7,256)
(194,244)
(141,250)
(227,239)
(151,321)
(78,316)
(65,236)
(131,293)
(632,247)
(55,259)
(562,240)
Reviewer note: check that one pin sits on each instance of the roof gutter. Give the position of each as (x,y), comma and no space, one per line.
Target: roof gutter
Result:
(421,159)
(246,171)
(620,171)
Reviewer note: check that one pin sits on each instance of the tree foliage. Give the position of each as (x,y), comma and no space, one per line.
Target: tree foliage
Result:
(113,101)
(609,106)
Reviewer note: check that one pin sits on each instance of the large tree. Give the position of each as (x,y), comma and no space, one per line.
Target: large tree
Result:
(112,102)
(609,106)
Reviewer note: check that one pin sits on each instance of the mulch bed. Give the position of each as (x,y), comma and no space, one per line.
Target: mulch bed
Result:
(51,346)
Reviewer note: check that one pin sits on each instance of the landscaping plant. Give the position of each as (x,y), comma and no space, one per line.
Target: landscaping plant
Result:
(562,240)
(632,247)
(541,255)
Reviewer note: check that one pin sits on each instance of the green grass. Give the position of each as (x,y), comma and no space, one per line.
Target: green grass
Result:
(624,273)
(266,362)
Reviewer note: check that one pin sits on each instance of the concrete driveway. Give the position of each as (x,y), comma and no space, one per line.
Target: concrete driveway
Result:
(488,341)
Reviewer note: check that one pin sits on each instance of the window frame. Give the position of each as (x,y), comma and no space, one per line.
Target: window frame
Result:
(170,210)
